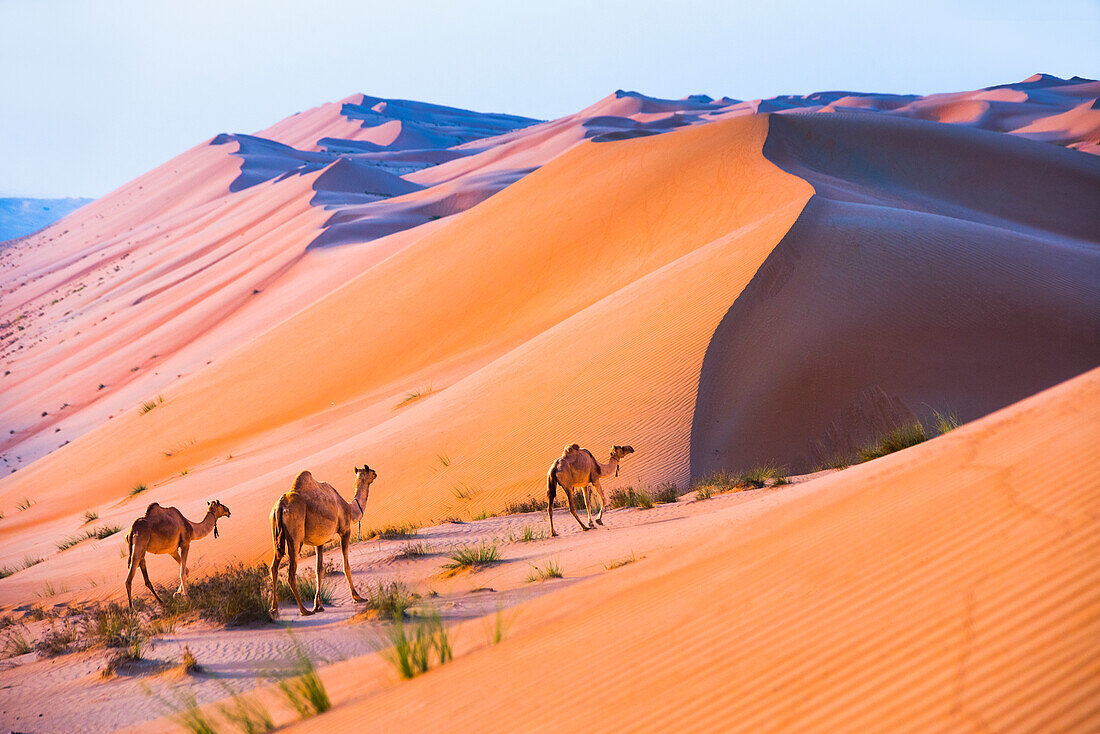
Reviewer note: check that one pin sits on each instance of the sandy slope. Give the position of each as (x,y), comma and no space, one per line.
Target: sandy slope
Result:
(952,586)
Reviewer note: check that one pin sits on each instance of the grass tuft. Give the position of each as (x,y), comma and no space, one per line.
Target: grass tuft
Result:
(895,440)
(16,644)
(149,405)
(465,491)
(622,562)
(390,600)
(138,488)
(247,715)
(90,516)
(532,504)
(629,497)
(307,589)
(413,395)
(413,550)
(944,422)
(98,533)
(667,493)
(473,557)
(758,476)
(411,655)
(25,504)
(397,532)
(499,627)
(527,535)
(550,571)
(305,691)
(233,596)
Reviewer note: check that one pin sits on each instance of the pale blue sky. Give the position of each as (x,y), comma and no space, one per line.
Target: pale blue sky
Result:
(96,92)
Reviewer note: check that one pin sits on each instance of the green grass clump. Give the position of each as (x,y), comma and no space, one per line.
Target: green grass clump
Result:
(629,497)
(411,654)
(397,532)
(138,488)
(473,557)
(944,422)
(390,600)
(895,440)
(90,516)
(233,596)
(540,573)
(307,588)
(413,550)
(718,482)
(532,504)
(245,714)
(16,644)
(528,535)
(667,493)
(413,395)
(619,563)
(759,475)
(25,504)
(305,691)
(98,533)
(465,491)
(147,406)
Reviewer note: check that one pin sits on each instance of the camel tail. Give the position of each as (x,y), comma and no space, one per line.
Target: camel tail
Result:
(278,527)
(130,548)
(551,486)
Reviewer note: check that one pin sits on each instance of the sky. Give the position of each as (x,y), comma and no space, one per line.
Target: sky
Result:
(93,94)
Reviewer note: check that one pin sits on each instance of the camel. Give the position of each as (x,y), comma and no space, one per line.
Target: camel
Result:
(577,467)
(165,531)
(312,513)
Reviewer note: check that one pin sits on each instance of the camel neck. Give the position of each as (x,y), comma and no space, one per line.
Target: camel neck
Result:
(355,507)
(608,469)
(202,529)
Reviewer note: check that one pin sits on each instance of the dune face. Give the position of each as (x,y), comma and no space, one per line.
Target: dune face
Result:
(888,301)
(715,282)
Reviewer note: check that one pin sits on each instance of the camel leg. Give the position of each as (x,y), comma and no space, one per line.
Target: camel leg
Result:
(292,579)
(550,496)
(573,509)
(145,575)
(588,504)
(182,591)
(317,606)
(135,559)
(603,501)
(344,542)
(176,556)
(275,581)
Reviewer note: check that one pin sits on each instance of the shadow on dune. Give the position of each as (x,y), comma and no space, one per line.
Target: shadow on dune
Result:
(935,268)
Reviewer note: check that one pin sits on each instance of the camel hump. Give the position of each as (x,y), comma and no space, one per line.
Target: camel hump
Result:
(572,447)
(153,509)
(303,476)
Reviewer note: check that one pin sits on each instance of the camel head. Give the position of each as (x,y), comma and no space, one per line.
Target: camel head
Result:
(618,452)
(364,475)
(217,509)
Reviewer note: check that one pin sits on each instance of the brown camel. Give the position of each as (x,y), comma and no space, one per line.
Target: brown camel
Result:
(312,513)
(164,530)
(577,467)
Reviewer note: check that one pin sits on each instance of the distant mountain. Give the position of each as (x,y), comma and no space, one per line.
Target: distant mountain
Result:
(23,216)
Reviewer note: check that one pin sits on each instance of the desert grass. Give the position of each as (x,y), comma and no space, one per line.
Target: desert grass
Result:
(718,482)
(57,640)
(498,628)
(630,497)
(390,600)
(307,588)
(541,573)
(473,557)
(619,563)
(413,550)
(413,396)
(245,714)
(531,504)
(411,654)
(759,475)
(149,405)
(99,533)
(667,493)
(944,422)
(895,440)
(185,711)
(528,535)
(396,532)
(16,644)
(232,596)
(90,516)
(304,690)
(138,488)
(465,491)
(25,504)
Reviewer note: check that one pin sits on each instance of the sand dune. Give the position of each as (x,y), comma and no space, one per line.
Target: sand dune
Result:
(943,588)
(453,296)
